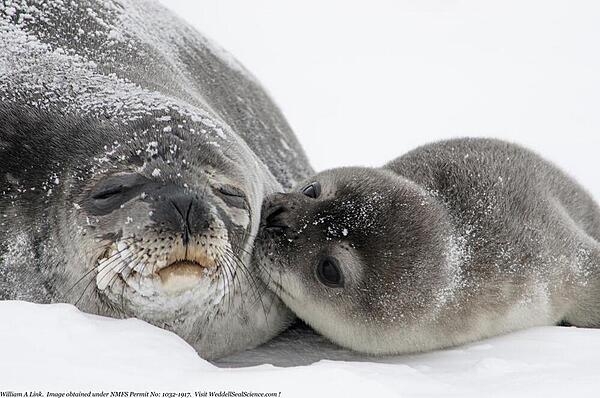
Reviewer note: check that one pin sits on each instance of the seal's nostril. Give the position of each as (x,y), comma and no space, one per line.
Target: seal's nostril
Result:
(180,213)
(275,217)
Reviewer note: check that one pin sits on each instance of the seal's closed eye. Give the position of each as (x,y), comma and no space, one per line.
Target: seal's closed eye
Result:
(108,192)
(115,190)
(233,196)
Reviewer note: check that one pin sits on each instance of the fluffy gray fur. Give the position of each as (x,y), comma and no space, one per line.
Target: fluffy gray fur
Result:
(452,242)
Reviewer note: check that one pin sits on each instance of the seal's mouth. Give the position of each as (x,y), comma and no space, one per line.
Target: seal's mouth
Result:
(173,269)
(181,275)
(183,267)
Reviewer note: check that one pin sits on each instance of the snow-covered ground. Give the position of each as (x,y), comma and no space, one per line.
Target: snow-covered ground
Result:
(362,82)
(57,348)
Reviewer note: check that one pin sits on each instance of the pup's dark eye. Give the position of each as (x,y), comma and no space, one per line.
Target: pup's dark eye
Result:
(233,196)
(329,272)
(313,190)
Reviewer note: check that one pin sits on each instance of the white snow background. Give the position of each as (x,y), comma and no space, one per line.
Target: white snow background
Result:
(361,83)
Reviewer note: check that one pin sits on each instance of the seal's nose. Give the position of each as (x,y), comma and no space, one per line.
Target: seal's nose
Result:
(274,213)
(182,212)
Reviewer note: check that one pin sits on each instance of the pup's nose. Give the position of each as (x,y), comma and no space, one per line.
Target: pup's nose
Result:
(274,213)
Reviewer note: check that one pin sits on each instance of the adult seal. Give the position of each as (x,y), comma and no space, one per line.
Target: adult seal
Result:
(453,242)
(134,158)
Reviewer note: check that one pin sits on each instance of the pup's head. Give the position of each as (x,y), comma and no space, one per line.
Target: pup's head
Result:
(354,251)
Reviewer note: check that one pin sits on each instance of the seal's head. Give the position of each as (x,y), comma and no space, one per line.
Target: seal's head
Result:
(357,253)
(155,220)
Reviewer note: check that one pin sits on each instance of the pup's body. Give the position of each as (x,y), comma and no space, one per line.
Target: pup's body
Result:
(452,242)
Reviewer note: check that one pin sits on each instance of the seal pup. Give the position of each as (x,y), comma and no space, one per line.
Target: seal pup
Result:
(453,242)
(134,159)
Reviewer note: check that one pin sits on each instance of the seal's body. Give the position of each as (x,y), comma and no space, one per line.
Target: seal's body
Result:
(134,158)
(452,242)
